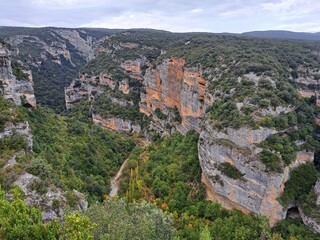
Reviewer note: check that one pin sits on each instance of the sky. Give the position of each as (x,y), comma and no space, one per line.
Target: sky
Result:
(234,16)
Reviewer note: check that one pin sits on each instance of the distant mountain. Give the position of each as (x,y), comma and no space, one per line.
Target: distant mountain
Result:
(284,35)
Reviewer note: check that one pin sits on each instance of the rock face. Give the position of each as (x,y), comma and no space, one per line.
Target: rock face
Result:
(134,68)
(116,124)
(308,221)
(20,92)
(84,46)
(317,191)
(124,86)
(256,190)
(53,203)
(172,85)
(57,50)
(86,88)
(22,128)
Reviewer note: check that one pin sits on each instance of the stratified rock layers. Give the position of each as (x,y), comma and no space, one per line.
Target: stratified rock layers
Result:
(172,85)
(257,190)
(116,124)
(20,92)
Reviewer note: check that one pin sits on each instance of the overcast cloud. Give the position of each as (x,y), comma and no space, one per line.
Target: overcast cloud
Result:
(173,15)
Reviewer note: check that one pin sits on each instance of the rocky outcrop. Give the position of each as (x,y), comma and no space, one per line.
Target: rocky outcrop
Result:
(22,128)
(134,67)
(116,124)
(309,221)
(307,93)
(57,50)
(84,46)
(275,111)
(53,203)
(86,88)
(256,190)
(317,191)
(124,86)
(172,85)
(18,91)
(312,221)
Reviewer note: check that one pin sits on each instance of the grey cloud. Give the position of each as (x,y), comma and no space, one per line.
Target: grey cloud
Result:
(174,15)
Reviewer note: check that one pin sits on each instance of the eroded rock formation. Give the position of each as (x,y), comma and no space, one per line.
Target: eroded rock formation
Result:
(84,46)
(134,67)
(53,203)
(116,124)
(172,85)
(86,88)
(256,190)
(18,91)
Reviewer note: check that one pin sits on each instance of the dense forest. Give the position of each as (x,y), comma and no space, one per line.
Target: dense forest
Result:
(166,174)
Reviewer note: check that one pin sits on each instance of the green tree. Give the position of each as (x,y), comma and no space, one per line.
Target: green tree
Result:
(205,234)
(78,227)
(117,219)
(19,221)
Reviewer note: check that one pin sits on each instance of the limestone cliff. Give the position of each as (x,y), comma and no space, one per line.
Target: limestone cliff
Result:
(116,124)
(235,103)
(135,67)
(55,56)
(89,87)
(83,45)
(171,85)
(46,201)
(256,190)
(18,91)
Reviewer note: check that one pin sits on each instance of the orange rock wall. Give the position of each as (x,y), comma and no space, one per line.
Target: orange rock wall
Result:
(133,68)
(172,85)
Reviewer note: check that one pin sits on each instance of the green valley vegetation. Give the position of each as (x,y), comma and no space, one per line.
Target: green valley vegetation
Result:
(82,156)
(168,173)
(67,153)
(53,59)
(161,195)
(74,155)
(113,219)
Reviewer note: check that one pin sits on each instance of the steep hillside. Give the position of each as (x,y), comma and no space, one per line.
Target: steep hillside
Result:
(253,101)
(16,81)
(230,119)
(54,159)
(54,55)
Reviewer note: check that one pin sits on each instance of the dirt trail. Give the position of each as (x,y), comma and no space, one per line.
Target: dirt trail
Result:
(116,180)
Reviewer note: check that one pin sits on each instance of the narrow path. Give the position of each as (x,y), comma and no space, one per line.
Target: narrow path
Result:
(116,180)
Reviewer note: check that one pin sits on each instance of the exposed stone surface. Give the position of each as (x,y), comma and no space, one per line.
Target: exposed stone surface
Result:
(22,128)
(86,87)
(172,85)
(56,49)
(134,68)
(11,88)
(124,86)
(317,191)
(307,93)
(84,46)
(46,201)
(257,191)
(116,124)
(276,111)
(308,221)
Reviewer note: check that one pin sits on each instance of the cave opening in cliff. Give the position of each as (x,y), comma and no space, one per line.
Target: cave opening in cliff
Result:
(293,213)
(27,105)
